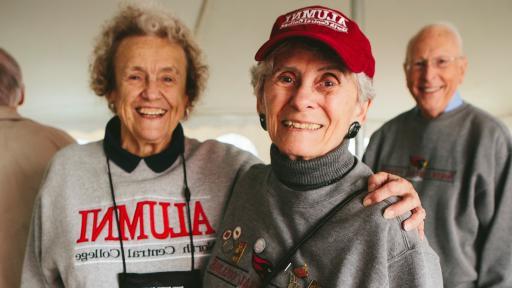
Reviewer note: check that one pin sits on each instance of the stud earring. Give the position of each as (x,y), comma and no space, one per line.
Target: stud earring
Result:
(353,129)
(112,107)
(263,121)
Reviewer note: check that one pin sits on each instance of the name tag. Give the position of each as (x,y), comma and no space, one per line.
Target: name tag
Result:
(172,279)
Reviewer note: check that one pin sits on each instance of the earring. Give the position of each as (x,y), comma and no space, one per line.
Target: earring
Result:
(112,106)
(263,121)
(353,129)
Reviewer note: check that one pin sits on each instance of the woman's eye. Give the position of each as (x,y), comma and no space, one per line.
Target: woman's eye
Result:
(167,79)
(285,79)
(329,80)
(328,83)
(134,77)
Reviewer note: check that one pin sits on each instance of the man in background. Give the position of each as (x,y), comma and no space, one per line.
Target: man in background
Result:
(458,158)
(26,147)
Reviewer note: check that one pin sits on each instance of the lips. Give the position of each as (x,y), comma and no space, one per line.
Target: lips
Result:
(150,112)
(430,89)
(301,125)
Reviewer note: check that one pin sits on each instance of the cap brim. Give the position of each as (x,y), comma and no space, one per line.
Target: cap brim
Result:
(343,51)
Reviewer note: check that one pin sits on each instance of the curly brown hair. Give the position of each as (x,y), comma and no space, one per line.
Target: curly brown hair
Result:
(143,21)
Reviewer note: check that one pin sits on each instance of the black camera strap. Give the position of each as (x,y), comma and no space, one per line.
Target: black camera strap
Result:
(187,200)
(286,259)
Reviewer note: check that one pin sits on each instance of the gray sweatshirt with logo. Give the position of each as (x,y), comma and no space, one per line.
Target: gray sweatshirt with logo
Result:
(74,242)
(460,164)
(271,209)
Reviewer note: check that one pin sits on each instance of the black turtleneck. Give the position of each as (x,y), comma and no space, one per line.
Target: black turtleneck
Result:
(315,173)
(128,162)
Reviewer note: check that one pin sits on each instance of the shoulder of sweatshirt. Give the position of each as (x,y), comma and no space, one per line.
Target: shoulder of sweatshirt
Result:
(74,162)
(486,124)
(257,171)
(215,151)
(80,155)
(395,122)
(385,233)
(400,241)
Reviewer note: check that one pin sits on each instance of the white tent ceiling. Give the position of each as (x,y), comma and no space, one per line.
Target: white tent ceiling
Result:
(53,40)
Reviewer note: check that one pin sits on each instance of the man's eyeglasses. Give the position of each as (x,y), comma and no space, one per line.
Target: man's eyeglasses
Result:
(441,62)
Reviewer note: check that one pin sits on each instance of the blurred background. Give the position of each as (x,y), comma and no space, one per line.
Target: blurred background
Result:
(53,40)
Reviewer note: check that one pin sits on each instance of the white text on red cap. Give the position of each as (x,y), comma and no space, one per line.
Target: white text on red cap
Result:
(316,16)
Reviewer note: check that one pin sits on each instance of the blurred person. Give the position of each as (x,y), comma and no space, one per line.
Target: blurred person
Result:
(459,159)
(141,207)
(300,221)
(27,147)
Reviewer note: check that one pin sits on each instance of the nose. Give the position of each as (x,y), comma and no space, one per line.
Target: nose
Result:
(303,97)
(429,72)
(151,90)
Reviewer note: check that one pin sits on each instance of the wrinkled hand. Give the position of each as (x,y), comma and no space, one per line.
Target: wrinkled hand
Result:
(383,185)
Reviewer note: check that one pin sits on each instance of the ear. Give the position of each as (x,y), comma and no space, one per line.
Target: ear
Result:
(361,110)
(22,96)
(111,96)
(462,68)
(187,108)
(111,99)
(261,107)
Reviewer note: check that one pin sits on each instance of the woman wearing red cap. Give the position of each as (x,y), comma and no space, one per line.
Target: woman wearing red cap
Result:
(300,222)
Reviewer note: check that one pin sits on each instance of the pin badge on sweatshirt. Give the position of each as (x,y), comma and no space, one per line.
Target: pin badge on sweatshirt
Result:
(232,246)
(227,241)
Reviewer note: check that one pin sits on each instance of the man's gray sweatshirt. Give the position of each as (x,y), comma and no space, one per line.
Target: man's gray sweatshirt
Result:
(460,164)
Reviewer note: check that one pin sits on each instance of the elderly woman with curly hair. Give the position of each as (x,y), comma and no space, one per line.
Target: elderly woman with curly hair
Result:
(141,207)
(123,205)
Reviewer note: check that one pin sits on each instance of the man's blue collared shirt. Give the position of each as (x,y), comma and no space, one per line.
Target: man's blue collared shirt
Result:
(454,103)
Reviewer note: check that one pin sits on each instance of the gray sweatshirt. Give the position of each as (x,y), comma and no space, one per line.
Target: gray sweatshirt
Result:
(460,164)
(356,248)
(73,240)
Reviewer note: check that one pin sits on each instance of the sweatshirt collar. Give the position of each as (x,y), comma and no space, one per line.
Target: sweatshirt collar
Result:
(309,174)
(128,161)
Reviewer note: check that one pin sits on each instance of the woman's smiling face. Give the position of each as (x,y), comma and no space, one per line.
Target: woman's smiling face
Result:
(309,101)
(149,96)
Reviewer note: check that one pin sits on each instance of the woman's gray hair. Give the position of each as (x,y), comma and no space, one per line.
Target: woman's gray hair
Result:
(145,21)
(365,87)
(262,70)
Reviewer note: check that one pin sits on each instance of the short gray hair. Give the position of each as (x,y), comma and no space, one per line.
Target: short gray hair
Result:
(263,69)
(11,82)
(446,26)
(135,20)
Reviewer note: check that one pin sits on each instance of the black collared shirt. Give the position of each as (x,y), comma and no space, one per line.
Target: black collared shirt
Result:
(128,161)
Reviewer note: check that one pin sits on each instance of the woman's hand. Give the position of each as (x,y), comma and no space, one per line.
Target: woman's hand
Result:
(383,185)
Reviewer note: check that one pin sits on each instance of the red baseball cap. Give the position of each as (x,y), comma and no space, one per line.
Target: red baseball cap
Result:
(328,26)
